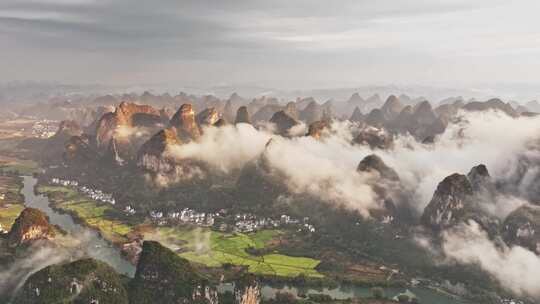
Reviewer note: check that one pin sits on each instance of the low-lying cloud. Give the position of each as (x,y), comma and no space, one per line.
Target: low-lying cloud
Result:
(327,167)
(516,268)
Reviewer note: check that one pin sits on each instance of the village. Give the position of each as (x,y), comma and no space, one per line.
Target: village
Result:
(243,223)
(221,220)
(44,128)
(96,195)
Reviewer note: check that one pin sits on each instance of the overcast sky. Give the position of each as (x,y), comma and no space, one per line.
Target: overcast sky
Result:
(280,43)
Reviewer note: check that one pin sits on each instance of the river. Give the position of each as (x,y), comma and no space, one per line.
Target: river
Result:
(96,247)
(424,295)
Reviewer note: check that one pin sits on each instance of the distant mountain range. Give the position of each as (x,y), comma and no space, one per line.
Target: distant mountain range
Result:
(32,92)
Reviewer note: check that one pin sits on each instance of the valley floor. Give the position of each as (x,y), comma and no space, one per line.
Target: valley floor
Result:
(199,245)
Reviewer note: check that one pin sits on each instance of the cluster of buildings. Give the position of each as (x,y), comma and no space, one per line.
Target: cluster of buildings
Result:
(511,301)
(129,210)
(244,222)
(44,128)
(94,194)
(64,182)
(185,216)
(251,223)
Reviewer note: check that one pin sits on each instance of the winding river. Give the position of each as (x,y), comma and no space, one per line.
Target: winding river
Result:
(96,247)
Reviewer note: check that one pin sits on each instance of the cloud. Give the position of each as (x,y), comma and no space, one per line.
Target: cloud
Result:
(327,167)
(216,42)
(199,240)
(490,138)
(227,148)
(516,268)
(40,255)
(126,132)
(16,273)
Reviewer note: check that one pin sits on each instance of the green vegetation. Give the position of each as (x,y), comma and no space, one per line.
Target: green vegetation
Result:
(215,249)
(88,279)
(19,166)
(29,218)
(8,215)
(203,246)
(11,201)
(102,217)
(164,277)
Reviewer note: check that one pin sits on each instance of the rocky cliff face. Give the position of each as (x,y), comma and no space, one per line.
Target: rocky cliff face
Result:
(524,178)
(317,128)
(258,103)
(231,106)
(98,113)
(375,118)
(247,291)
(403,123)
(375,138)
(207,117)
(68,128)
(242,116)
(283,123)
(220,123)
(373,163)
(459,198)
(292,111)
(419,121)
(105,129)
(391,108)
(53,147)
(185,124)
(312,113)
(481,180)
(492,104)
(162,276)
(372,102)
(423,113)
(449,110)
(258,181)
(30,226)
(355,101)
(386,184)
(126,114)
(126,129)
(357,115)
(522,227)
(151,155)
(78,150)
(82,281)
(450,202)
(265,113)
(166,114)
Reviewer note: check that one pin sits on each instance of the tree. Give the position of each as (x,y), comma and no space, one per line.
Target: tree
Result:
(403,298)
(285,298)
(377,292)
